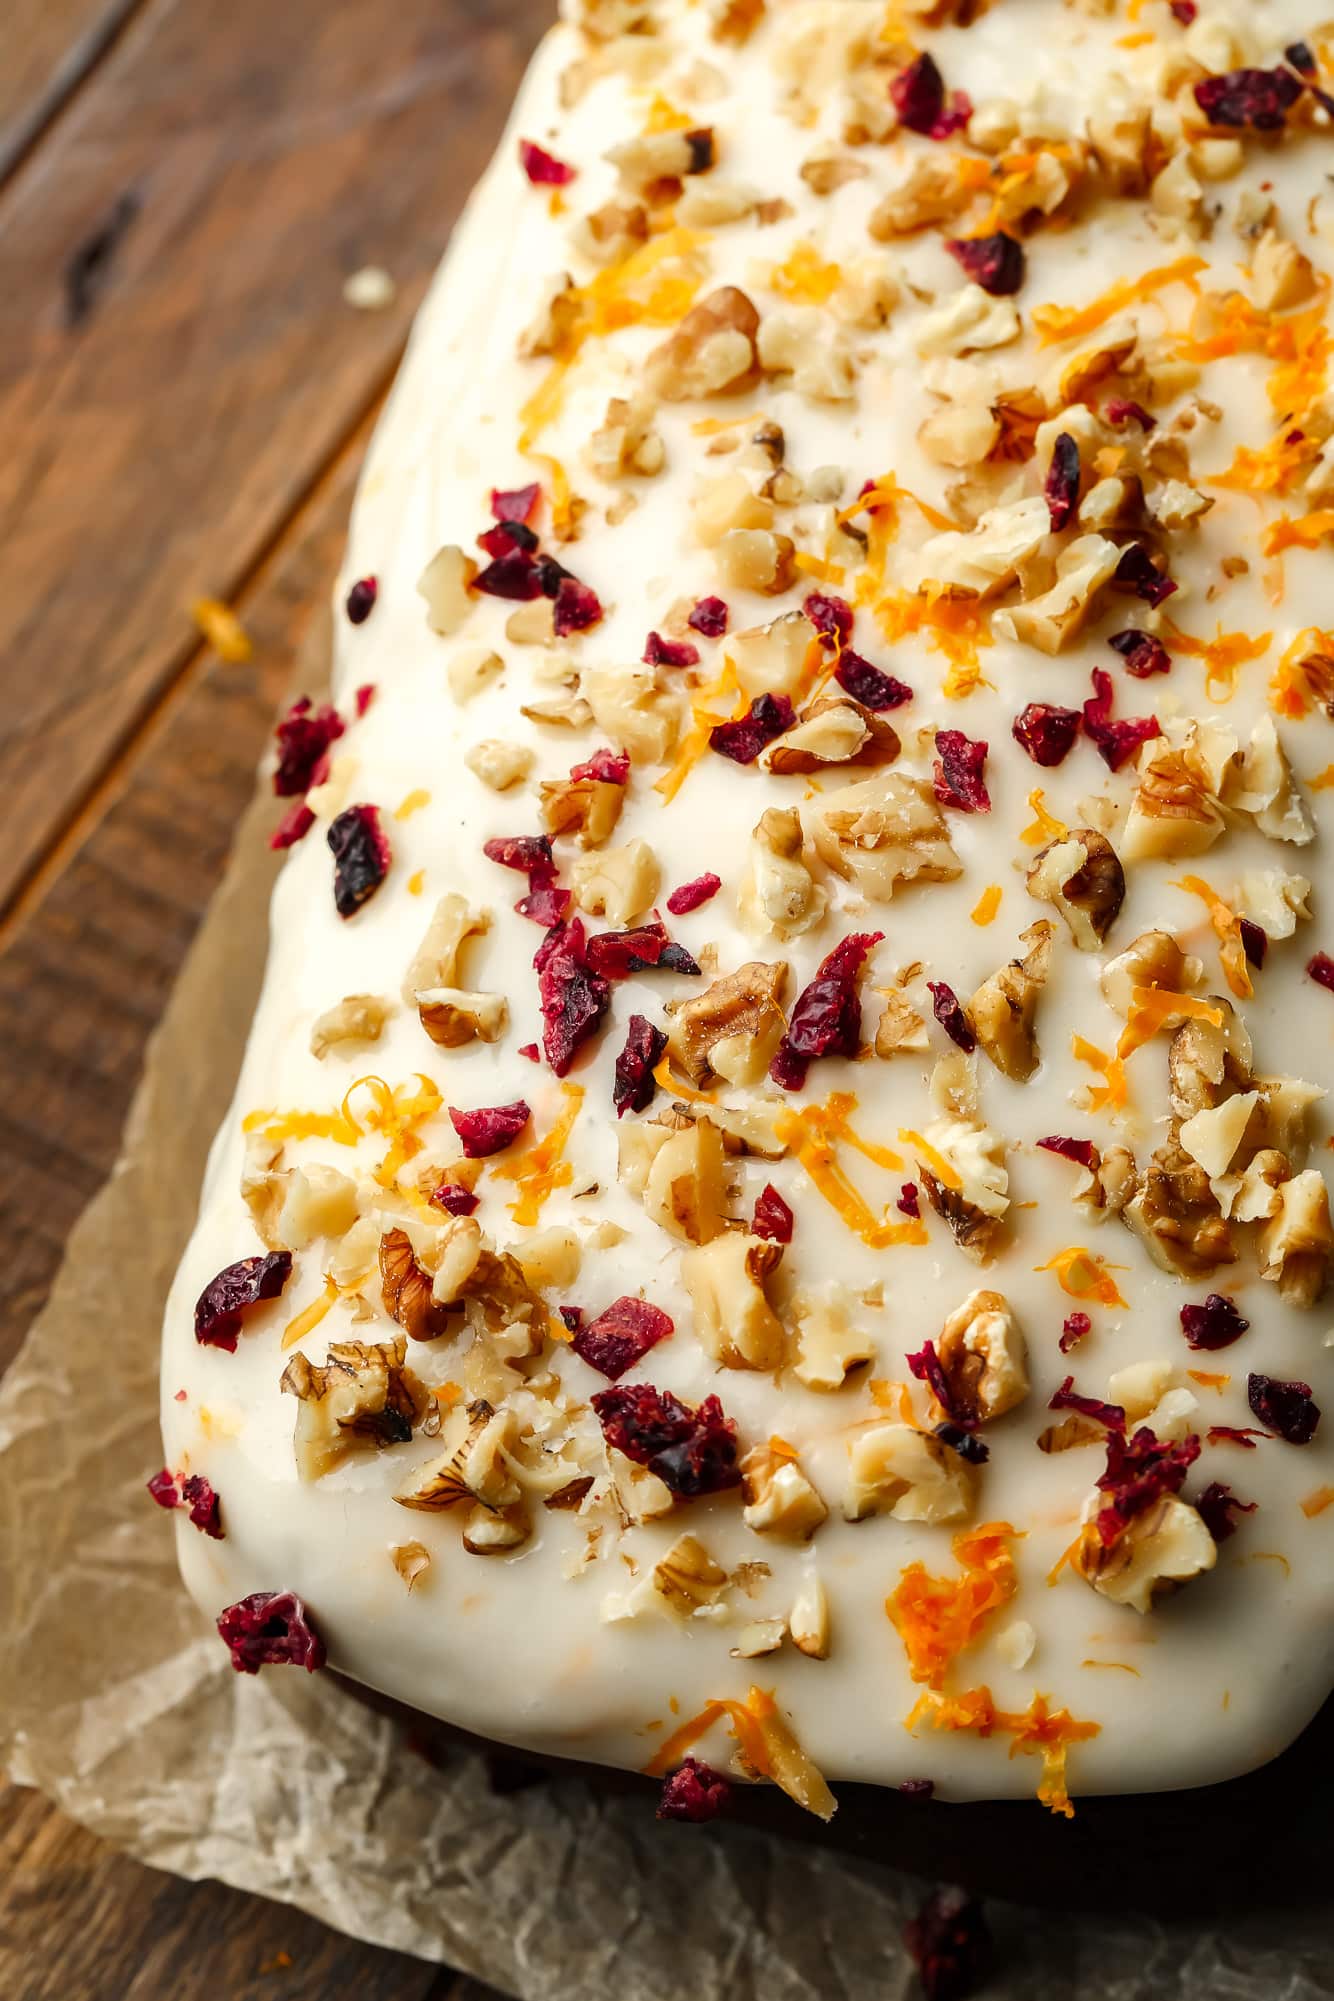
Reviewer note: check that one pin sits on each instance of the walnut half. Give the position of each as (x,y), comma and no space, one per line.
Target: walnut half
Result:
(1081,876)
(1004,1008)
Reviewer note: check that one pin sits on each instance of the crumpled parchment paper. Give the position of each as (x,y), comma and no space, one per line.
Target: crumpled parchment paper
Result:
(118,1702)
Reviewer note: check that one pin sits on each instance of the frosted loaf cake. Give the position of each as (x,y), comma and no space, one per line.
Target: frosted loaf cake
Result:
(773,1222)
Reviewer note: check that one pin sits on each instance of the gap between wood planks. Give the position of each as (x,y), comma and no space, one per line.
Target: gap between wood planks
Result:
(64,85)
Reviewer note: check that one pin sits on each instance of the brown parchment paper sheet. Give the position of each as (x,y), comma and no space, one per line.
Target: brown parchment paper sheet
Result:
(117,1700)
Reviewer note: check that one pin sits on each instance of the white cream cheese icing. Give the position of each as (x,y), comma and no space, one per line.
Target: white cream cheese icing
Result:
(545,1647)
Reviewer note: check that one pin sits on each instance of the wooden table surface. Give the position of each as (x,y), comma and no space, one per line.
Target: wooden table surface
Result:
(184,400)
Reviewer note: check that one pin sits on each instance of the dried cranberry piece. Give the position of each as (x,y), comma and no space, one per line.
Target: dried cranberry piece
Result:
(455,1199)
(271,1629)
(1235,1434)
(928,1368)
(773,1216)
(361,599)
(517,503)
(205,1509)
(295,824)
(543,169)
(618,954)
(573,1316)
(832,617)
(693,1792)
(1256,98)
(226,1298)
(634,1085)
(1142,653)
(164,1490)
(513,576)
(573,997)
(361,852)
(918,96)
(691,1451)
(1046,732)
(621,1336)
(546,902)
(994,262)
(489,1128)
(660,652)
(1216,1324)
(1068,1398)
(966,1443)
(909,1202)
(1138,574)
(1123,410)
(709,617)
(530,1052)
(1321,970)
(524,852)
(959,772)
(951,1015)
(826,1017)
(578,608)
(1073,1329)
(1183,11)
(303,737)
(692,894)
(1116,741)
(1254,941)
(363,697)
(916,1789)
(507,537)
(744,739)
(1299,55)
(1284,1407)
(604,767)
(950,1944)
(1061,487)
(1139,1471)
(1081,1150)
(869,685)
(1215,1507)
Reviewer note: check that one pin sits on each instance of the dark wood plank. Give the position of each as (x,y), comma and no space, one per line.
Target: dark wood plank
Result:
(154,452)
(50,48)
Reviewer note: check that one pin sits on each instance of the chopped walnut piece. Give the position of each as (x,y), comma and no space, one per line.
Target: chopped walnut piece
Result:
(780,1500)
(910,1474)
(1004,1008)
(808,1620)
(735,21)
(1154,959)
(688,1579)
(833,730)
(732,1029)
(986,558)
(798,341)
(452,1017)
(984,1358)
(363,1396)
(975,1210)
(1275,900)
(318,1202)
(630,708)
(491,1531)
(969,321)
(724,505)
(470,669)
(1050,621)
(356,1018)
(712,204)
(1157,1550)
(684,1187)
(779,898)
(933,192)
(627,443)
(1176,1216)
(586,807)
(882,832)
(770,659)
(1281,276)
(828,1347)
(436,962)
(1125,147)
(662,156)
(756,559)
(1207,1061)
(444,585)
(711,353)
(407,1288)
(826,173)
(734,1322)
(1082,878)
(1181,775)
(613,232)
(900,1030)
(617,883)
(1261,784)
(558,313)
(1297,1243)
(1213,1136)
(411,1560)
(499,765)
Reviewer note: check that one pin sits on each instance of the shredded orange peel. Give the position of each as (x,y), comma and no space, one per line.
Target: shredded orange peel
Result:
(1155,1008)
(1039,1730)
(397,1113)
(938,1617)
(1227,929)
(1055,323)
(767,1746)
(1112,1093)
(542,1168)
(812,1133)
(1083,1274)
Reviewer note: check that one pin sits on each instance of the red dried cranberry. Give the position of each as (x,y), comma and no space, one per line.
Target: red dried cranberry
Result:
(1142,653)
(950,1944)
(826,1017)
(1123,410)
(578,608)
(1235,1434)
(573,997)
(660,652)
(950,1013)
(530,1052)
(225,1299)
(995,262)
(918,94)
(1256,98)
(916,1789)
(1138,574)
(1254,942)
(361,599)
(1081,1150)
(633,1084)
(363,697)
(743,740)
(1216,1324)
(1116,741)
(361,852)
(1139,1471)
(966,1443)
(1073,1329)
(693,1792)
(618,954)
(573,1316)
(709,617)
(831,617)
(1068,1398)
(1046,732)
(621,1336)
(455,1199)
(1215,1508)
(164,1490)
(523,852)
(1183,11)
(1284,1407)
(691,1451)
(543,169)
(604,767)
(1321,970)
(773,1216)
(546,902)
(513,576)
(295,824)
(960,772)
(928,1368)
(1061,487)
(271,1629)
(909,1202)
(205,1509)
(303,738)
(868,685)
(490,1128)
(517,503)
(692,894)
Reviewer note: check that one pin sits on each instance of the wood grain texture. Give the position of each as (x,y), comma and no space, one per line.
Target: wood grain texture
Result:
(50,46)
(155,451)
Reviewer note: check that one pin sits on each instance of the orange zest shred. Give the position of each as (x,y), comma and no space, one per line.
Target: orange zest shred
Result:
(1303,531)
(696,739)
(1114,1091)
(804,277)
(398,1113)
(1290,691)
(222,630)
(412,803)
(1083,1274)
(1153,1008)
(812,1133)
(882,498)
(1227,929)
(542,1168)
(417,882)
(766,1744)
(1039,1730)
(818,566)
(1046,827)
(663,116)
(1271,469)
(938,1617)
(984,910)
(1210,1379)
(1072,322)
(669,1081)
(300,1325)
(1222,657)
(1316,1503)
(943,1169)
(954,627)
(1323,780)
